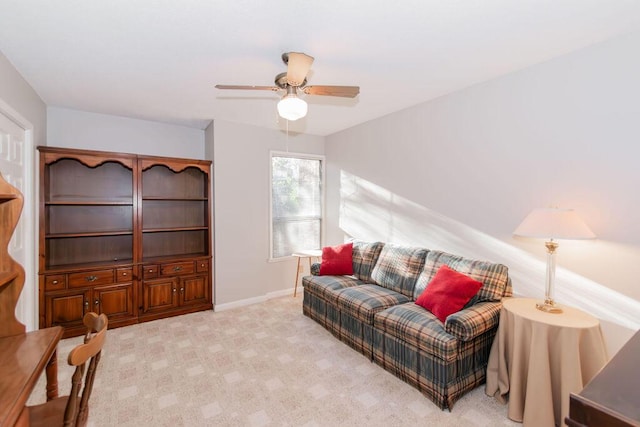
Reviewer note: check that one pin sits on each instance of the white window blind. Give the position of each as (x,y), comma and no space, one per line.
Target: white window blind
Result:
(296,203)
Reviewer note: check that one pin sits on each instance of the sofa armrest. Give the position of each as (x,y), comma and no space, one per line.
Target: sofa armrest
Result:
(474,321)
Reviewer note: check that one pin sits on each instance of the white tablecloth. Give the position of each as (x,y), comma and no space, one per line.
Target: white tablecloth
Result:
(538,358)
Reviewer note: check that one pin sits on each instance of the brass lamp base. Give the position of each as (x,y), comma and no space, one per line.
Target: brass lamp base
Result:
(548,307)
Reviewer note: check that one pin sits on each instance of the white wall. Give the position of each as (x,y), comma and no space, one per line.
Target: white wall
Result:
(460,173)
(91,131)
(241,156)
(16,92)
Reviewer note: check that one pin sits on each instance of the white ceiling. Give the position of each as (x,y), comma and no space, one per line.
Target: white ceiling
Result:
(159,59)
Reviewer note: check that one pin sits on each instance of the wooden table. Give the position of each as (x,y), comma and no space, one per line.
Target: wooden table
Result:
(23,357)
(537,359)
(313,253)
(612,398)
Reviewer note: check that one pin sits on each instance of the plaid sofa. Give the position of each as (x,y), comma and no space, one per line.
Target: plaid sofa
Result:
(374,312)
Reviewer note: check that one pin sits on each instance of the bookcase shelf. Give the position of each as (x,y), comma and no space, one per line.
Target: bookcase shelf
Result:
(172,229)
(89,202)
(183,199)
(90,234)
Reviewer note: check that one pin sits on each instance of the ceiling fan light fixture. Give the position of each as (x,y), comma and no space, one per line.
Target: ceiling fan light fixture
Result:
(291,107)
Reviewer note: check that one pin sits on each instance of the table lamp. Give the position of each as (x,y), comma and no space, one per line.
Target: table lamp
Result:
(553,223)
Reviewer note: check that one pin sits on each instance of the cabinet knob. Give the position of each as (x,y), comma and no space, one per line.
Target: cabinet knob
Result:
(177,268)
(181,289)
(124,274)
(86,304)
(91,278)
(201,265)
(174,289)
(96,302)
(55,282)
(150,271)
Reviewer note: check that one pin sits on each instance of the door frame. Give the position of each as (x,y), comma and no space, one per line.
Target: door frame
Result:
(27,308)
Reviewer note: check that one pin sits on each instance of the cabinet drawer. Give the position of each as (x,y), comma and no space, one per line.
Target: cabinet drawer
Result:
(90,278)
(202,266)
(124,275)
(150,271)
(176,268)
(55,282)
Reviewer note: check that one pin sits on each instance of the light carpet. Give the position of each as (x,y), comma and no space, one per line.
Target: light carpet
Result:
(260,365)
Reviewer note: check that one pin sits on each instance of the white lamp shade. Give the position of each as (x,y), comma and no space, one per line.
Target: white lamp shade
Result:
(291,107)
(554,223)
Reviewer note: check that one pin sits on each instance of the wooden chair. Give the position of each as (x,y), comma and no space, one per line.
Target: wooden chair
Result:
(73,410)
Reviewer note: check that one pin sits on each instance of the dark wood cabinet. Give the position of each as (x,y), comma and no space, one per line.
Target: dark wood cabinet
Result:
(68,294)
(116,301)
(169,286)
(194,290)
(159,296)
(66,308)
(110,223)
(612,397)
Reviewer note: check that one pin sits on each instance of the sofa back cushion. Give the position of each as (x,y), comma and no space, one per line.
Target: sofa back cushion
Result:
(495,277)
(365,255)
(398,268)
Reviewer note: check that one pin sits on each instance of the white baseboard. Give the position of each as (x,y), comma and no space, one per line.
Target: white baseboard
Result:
(257,300)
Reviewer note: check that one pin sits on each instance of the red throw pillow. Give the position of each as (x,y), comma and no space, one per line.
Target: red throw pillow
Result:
(448,292)
(337,260)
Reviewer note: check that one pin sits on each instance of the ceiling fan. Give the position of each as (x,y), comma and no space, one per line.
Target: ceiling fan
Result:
(291,107)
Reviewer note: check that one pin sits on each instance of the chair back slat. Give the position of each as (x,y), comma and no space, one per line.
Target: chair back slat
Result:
(77,410)
(70,413)
(83,411)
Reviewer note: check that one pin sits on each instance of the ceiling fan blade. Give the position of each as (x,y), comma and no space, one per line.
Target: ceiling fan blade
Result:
(342,91)
(298,65)
(246,87)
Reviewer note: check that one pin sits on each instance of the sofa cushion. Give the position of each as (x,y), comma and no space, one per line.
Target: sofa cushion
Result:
(495,277)
(363,302)
(398,268)
(322,286)
(448,292)
(365,255)
(418,327)
(337,260)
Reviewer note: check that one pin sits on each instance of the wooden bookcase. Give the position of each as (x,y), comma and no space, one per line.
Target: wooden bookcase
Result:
(11,273)
(108,221)
(175,222)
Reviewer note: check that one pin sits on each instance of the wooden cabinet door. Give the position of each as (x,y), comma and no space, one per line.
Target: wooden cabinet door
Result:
(67,309)
(194,290)
(159,295)
(115,301)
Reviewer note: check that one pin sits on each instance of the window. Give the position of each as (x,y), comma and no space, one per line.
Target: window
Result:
(296,203)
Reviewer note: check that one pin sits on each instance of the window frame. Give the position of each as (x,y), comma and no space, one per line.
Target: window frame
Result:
(306,156)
